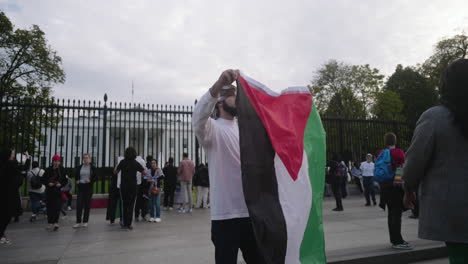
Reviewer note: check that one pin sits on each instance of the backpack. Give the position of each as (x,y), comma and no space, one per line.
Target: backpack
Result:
(341,170)
(383,171)
(36,181)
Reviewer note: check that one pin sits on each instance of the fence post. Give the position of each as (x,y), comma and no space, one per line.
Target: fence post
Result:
(104,140)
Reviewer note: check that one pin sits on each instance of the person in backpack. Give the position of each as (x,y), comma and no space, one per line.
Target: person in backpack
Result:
(437,165)
(367,169)
(85,176)
(203,185)
(36,188)
(54,178)
(336,176)
(391,194)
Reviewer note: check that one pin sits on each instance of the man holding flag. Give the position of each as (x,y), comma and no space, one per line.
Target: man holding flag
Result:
(266,155)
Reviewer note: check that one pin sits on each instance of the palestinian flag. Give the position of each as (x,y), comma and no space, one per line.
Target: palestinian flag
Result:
(282,145)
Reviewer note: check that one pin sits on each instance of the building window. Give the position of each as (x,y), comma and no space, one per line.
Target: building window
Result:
(77,141)
(171,142)
(185,144)
(94,141)
(61,140)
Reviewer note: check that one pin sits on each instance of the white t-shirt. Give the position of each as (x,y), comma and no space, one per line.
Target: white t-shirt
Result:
(367,169)
(220,139)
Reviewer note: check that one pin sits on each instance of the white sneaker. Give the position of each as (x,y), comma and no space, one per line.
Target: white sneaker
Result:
(56,227)
(165,208)
(5,241)
(189,211)
(146,218)
(181,211)
(84,225)
(151,219)
(69,208)
(158,220)
(76,226)
(50,227)
(170,208)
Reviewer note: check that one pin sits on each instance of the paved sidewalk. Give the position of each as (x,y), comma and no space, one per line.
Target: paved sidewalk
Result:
(185,238)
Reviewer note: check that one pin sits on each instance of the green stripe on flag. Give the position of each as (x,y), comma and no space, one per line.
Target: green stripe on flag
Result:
(313,243)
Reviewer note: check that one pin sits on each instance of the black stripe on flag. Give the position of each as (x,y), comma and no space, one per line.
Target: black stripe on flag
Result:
(259,182)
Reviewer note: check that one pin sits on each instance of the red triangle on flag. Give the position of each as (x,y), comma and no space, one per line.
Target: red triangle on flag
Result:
(284,117)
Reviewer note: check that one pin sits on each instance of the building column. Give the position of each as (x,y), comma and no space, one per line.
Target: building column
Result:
(145,144)
(127,138)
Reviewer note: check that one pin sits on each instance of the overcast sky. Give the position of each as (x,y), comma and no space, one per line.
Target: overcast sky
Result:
(174,50)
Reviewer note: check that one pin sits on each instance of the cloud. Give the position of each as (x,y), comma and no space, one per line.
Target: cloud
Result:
(174,51)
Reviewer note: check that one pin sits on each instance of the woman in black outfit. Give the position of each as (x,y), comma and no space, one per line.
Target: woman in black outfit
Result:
(128,184)
(9,195)
(54,178)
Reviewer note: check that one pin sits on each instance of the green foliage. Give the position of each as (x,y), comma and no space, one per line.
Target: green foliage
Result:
(352,87)
(388,106)
(29,68)
(445,52)
(415,91)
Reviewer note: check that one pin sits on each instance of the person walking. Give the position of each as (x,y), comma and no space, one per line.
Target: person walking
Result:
(114,205)
(128,185)
(54,178)
(357,176)
(391,193)
(186,171)
(231,227)
(336,175)
(36,189)
(85,176)
(437,165)
(170,182)
(203,186)
(10,178)
(155,179)
(367,169)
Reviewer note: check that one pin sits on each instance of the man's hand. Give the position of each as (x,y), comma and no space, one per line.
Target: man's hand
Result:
(409,200)
(58,185)
(77,182)
(87,180)
(51,184)
(226,78)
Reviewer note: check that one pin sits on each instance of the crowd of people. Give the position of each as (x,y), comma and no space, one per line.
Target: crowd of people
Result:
(135,189)
(435,164)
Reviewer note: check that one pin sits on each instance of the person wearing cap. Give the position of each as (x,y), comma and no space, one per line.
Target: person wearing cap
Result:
(231,227)
(54,178)
(367,170)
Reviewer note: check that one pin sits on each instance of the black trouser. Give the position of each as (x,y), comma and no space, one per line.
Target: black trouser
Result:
(114,197)
(415,211)
(69,198)
(336,189)
(229,236)
(344,191)
(83,200)
(54,204)
(395,210)
(141,206)
(4,221)
(369,189)
(169,195)
(358,183)
(127,196)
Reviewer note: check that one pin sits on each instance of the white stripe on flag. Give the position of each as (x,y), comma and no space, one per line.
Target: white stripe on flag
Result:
(296,201)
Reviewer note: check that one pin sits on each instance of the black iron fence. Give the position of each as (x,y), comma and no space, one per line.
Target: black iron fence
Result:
(104,129)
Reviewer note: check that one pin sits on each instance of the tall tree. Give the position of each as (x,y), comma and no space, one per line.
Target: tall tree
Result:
(354,85)
(445,52)
(388,106)
(416,91)
(29,68)
(345,105)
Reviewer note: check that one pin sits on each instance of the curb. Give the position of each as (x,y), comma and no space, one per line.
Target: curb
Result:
(409,256)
